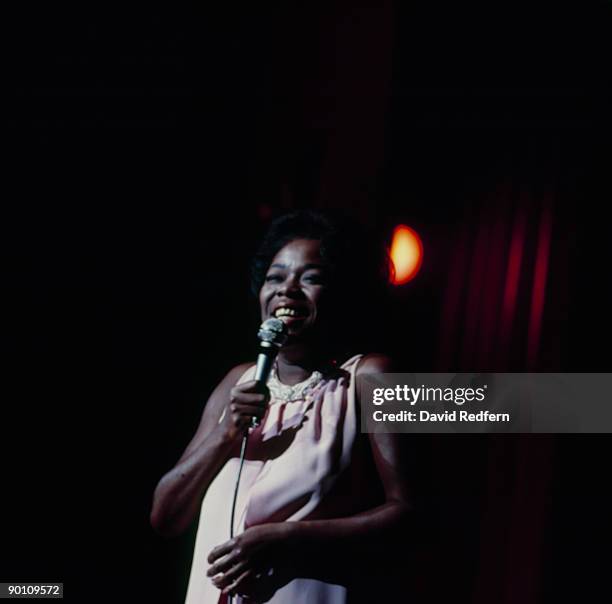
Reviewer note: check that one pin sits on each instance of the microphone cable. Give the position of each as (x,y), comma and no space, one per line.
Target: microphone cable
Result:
(272,335)
(245,440)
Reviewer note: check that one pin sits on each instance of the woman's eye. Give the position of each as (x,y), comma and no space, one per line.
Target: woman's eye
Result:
(314,279)
(273,278)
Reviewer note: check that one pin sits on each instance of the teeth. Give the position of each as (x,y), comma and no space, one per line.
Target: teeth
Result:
(285,312)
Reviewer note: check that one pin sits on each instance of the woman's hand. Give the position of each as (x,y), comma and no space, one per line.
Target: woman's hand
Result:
(250,563)
(247,401)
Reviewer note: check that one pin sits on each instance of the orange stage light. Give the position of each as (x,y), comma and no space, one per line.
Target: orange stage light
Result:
(406,254)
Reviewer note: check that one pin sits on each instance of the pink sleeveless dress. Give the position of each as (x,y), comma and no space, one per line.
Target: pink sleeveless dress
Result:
(292,470)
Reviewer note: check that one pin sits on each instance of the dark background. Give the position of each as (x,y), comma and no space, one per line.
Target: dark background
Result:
(147,147)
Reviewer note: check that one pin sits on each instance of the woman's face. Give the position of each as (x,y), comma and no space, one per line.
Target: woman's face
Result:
(294,286)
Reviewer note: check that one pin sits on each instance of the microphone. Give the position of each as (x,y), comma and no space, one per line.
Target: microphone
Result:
(272,335)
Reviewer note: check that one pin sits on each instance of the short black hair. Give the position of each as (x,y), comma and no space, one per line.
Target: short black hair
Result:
(355,256)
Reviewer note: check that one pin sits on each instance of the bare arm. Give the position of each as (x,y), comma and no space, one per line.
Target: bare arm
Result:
(363,537)
(178,494)
(352,537)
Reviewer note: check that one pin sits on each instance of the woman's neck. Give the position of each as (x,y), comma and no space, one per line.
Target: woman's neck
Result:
(294,366)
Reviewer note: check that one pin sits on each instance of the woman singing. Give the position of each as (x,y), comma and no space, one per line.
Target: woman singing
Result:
(319,502)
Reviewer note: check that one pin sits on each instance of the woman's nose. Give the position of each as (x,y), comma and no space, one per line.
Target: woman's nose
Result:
(288,286)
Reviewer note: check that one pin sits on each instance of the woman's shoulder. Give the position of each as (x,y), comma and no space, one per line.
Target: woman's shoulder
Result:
(235,373)
(375,362)
(229,380)
(232,377)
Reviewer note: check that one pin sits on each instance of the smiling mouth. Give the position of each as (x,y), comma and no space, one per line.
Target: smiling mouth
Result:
(289,313)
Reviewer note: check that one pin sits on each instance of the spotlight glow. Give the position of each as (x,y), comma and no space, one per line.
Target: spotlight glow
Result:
(406,254)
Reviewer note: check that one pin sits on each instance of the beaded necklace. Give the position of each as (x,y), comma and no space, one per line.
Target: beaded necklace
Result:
(297,392)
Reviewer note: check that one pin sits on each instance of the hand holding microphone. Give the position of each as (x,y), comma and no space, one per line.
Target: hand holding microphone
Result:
(247,404)
(248,400)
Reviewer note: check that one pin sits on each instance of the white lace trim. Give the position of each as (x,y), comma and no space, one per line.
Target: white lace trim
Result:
(297,392)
